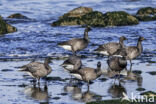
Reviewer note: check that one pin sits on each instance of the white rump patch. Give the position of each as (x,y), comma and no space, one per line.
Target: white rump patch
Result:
(68,66)
(104,52)
(117,55)
(30,74)
(67,47)
(78,76)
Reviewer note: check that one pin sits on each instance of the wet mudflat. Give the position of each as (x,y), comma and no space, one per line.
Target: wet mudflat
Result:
(37,39)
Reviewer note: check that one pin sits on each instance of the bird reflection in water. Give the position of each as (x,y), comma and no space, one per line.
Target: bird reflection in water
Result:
(76,93)
(37,93)
(116,91)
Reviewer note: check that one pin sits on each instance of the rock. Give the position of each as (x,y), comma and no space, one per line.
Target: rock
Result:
(119,18)
(146,14)
(140,89)
(18,16)
(77,12)
(5,27)
(95,18)
(149,93)
(137,71)
(152,72)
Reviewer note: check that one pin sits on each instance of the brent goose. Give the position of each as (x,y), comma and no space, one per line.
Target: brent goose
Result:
(88,74)
(72,63)
(110,48)
(118,63)
(37,69)
(76,44)
(134,51)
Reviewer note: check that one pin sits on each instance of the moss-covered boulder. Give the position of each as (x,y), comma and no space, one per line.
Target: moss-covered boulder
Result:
(5,27)
(77,12)
(17,16)
(97,19)
(146,14)
(119,18)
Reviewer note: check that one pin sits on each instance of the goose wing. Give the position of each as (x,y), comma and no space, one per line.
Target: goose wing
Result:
(33,67)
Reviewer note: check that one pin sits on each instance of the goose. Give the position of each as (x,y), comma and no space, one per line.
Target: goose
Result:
(72,63)
(37,70)
(134,51)
(110,48)
(76,44)
(119,62)
(88,74)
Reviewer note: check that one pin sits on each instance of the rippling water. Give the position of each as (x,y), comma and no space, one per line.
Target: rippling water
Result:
(36,38)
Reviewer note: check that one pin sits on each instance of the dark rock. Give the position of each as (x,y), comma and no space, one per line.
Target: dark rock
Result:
(149,93)
(5,27)
(152,73)
(146,14)
(103,79)
(53,79)
(56,98)
(119,18)
(6,70)
(77,12)
(63,94)
(18,16)
(137,71)
(97,19)
(140,89)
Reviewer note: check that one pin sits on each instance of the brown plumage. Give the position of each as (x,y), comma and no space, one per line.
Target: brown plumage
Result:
(37,69)
(109,49)
(76,44)
(119,62)
(134,51)
(72,63)
(88,74)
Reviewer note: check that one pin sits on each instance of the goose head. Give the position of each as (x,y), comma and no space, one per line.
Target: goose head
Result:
(48,60)
(99,64)
(141,38)
(88,28)
(122,38)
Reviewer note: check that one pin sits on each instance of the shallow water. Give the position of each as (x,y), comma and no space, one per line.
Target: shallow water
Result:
(37,39)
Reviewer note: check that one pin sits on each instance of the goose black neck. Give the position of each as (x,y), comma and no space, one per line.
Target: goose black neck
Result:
(98,69)
(46,64)
(121,42)
(139,45)
(86,35)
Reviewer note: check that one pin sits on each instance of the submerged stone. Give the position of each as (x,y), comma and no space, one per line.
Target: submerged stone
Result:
(152,73)
(140,89)
(137,71)
(96,19)
(146,14)
(17,16)
(5,27)
(53,79)
(149,93)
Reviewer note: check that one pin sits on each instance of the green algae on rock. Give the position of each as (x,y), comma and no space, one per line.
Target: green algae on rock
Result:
(146,14)
(77,12)
(96,18)
(5,27)
(119,18)
(119,101)
(17,16)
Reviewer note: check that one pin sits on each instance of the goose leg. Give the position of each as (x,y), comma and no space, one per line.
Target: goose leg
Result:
(38,81)
(88,85)
(130,66)
(119,76)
